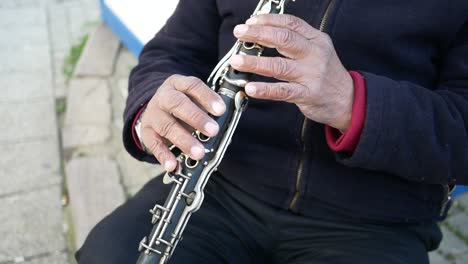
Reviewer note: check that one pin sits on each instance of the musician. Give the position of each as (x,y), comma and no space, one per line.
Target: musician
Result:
(355,133)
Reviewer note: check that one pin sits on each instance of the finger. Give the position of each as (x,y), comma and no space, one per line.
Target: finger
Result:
(286,41)
(281,91)
(276,67)
(180,106)
(156,145)
(201,93)
(286,21)
(168,127)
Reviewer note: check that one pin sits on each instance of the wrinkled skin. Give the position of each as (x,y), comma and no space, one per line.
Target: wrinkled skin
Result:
(311,76)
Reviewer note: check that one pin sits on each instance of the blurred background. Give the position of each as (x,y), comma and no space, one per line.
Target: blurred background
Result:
(63,79)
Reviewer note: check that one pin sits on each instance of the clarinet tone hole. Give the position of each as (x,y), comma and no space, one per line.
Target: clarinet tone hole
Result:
(191,163)
(248,45)
(202,137)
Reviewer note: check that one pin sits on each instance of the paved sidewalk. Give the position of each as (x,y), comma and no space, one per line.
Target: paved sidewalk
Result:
(36,35)
(30,206)
(454,247)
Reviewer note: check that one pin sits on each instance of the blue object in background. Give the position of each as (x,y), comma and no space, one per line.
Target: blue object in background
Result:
(461,189)
(120,29)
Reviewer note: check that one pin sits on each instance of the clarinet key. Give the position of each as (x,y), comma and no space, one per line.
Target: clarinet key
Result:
(189,199)
(156,215)
(141,246)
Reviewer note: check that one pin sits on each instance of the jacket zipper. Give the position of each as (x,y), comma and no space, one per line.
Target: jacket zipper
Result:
(305,122)
(323,23)
(301,166)
(447,192)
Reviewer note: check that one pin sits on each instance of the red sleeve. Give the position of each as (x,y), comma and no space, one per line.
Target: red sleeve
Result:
(134,135)
(349,140)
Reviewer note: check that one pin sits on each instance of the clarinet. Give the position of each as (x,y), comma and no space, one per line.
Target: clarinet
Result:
(190,177)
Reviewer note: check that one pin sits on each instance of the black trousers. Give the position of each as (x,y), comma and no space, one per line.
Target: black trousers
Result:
(233,227)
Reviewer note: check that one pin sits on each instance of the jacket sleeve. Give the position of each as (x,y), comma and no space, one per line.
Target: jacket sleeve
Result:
(186,45)
(418,133)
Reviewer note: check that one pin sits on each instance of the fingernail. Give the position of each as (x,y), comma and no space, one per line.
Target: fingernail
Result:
(240,29)
(250,89)
(197,151)
(218,108)
(211,128)
(251,21)
(236,60)
(170,165)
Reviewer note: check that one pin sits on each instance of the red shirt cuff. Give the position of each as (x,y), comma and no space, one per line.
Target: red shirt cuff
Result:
(134,135)
(349,140)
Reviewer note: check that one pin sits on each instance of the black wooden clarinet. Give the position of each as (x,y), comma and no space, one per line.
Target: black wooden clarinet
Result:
(190,177)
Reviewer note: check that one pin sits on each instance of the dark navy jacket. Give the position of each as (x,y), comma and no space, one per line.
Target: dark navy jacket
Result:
(414,58)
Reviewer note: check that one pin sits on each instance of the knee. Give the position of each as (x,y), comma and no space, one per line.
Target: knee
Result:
(102,246)
(113,240)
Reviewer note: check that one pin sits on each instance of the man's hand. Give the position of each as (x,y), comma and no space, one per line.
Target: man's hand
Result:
(180,100)
(316,81)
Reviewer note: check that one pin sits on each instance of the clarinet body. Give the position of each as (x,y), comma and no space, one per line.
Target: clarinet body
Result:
(190,177)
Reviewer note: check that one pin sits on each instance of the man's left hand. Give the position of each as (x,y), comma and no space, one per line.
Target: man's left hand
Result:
(315,79)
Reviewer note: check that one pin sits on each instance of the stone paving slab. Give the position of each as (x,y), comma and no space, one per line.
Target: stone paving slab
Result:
(463,201)
(27,120)
(26,59)
(53,259)
(88,116)
(99,54)
(124,64)
(88,102)
(94,187)
(452,245)
(23,3)
(37,36)
(25,47)
(29,165)
(29,17)
(76,136)
(462,260)
(78,23)
(20,86)
(60,80)
(436,258)
(460,223)
(60,34)
(23,36)
(134,173)
(37,225)
(118,102)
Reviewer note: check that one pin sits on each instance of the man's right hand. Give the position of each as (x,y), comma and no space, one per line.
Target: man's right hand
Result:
(180,100)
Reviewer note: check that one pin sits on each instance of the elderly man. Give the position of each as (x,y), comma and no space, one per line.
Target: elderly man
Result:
(354,137)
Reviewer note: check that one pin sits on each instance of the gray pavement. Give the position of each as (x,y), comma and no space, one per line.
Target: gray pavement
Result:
(38,151)
(36,35)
